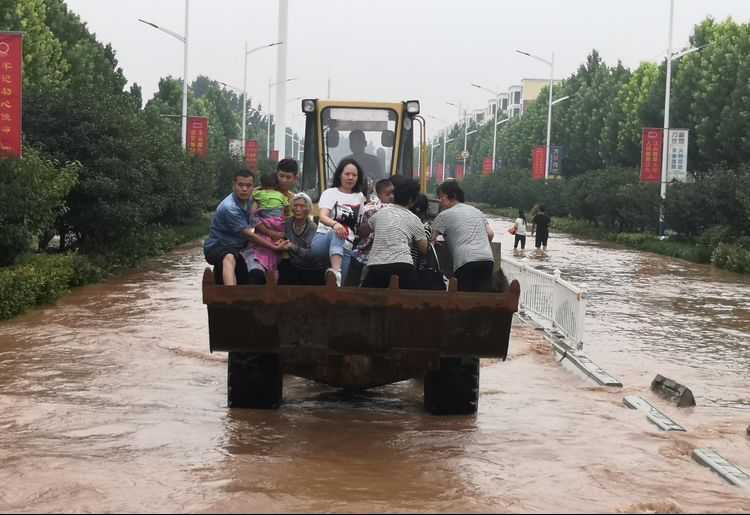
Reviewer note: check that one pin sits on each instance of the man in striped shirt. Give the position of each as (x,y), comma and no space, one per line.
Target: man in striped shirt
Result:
(397,230)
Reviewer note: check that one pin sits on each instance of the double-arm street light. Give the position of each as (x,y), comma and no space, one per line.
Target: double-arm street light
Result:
(496,123)
(244,88)
(184,40)
(467,132)
(445,141)
(665,135)
(551,64)
(268,129)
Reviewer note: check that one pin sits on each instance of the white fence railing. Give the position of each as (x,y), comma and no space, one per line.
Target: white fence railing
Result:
(550,298)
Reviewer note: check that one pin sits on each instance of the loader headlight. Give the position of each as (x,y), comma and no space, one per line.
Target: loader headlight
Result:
(412,107)
(308,105)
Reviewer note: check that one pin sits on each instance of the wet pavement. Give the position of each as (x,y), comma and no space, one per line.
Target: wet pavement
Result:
(110,401)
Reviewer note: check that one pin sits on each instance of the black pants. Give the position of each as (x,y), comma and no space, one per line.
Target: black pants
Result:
(541,238)
(292,275)
(379,276)
(520,239)
(475,276)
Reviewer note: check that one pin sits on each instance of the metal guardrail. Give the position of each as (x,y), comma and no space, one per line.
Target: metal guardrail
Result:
(550,298)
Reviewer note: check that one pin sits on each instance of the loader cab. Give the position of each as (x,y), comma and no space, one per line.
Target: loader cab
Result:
(379,135)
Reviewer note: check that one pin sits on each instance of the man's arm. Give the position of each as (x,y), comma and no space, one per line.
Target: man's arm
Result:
(490,232)
(423,246)
(274,235)
(249,233)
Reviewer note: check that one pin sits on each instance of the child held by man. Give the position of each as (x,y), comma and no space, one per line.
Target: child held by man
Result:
(270,206)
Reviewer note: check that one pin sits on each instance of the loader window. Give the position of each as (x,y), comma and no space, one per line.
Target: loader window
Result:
(363,134)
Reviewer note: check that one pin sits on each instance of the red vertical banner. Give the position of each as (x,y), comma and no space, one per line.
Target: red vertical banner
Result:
(439,173)
(459,172)
(651,154)
(274,155)
(251,154)
(538,159)
(11,86)
(197,136)
(487,166)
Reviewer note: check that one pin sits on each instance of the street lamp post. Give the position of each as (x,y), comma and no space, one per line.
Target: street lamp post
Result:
(184,40)
(244,89)
(466,129)
(268,128)
(665,133)
(496,123)
(445,136)
(551,65)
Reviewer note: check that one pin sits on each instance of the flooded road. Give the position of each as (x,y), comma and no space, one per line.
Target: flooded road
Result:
(110,401)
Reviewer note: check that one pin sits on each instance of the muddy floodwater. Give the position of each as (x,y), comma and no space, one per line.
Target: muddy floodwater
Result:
(111,402)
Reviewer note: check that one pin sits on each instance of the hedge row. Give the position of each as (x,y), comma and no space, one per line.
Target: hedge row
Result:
(43,278)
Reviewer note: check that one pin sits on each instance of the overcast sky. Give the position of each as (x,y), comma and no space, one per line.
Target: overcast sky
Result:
(393,50)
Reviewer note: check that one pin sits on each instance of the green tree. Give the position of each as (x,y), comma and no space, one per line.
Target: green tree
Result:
(33,193)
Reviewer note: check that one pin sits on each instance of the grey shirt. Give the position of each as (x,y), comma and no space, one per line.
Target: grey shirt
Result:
(301,256)
(396,230)
(465,230)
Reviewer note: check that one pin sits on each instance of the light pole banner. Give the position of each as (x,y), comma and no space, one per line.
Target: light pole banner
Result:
(197,136)
(235,148)
(487,166)
(459,172)
(538,158)
(651,149)
(274,155)
(439,173)
(555,161)
(251,154)
(678,154)
(11,85)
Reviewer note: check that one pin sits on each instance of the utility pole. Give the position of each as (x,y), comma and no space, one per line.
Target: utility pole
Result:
(281,58)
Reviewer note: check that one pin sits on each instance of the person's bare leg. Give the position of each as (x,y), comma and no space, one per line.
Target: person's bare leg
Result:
(336,262)
(229,265)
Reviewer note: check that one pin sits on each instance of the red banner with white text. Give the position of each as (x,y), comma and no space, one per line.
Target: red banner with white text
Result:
(459,172)
(439,173)
(651,154)
(197,136)
(11,85)
(251,154)
(487,166)
(538,162)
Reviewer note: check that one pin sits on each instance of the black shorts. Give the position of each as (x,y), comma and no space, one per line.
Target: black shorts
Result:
(215,257)
(541,239)
(379,276)
(475,276)
(292,275)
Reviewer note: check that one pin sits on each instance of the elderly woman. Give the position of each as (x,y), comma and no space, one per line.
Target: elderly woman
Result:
(301,268)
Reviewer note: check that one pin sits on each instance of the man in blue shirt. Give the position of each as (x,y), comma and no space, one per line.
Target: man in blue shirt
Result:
(231,228)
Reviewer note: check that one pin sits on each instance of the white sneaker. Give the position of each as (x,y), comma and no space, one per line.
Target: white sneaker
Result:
(336,274)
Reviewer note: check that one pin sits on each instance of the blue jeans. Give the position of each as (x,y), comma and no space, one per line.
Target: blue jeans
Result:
(329,244)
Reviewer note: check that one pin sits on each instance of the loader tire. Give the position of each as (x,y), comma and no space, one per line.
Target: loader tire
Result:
(454,388)
(254,380)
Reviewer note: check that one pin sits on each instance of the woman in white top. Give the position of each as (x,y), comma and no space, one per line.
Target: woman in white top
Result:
(339,207)
(520,230)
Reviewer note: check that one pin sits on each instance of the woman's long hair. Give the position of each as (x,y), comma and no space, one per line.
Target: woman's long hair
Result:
(340,170)
(522,216)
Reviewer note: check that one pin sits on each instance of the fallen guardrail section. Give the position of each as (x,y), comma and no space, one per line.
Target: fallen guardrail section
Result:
(557,307)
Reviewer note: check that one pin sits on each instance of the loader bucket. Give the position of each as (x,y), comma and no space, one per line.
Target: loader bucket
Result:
(361,321)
